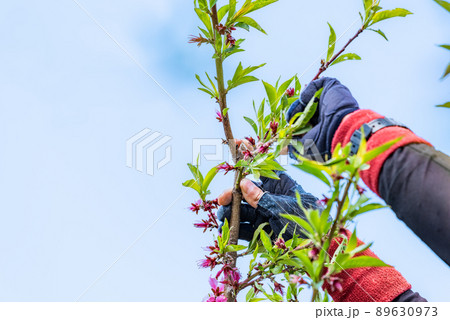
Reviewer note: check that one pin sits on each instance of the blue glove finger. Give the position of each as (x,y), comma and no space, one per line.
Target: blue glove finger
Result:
(271,206)
(335,103)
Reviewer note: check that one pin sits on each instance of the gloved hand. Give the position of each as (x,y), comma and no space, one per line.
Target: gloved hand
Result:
(265,202)
(335,103)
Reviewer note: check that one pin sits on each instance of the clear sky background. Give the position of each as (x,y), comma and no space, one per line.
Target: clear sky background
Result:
(70,98)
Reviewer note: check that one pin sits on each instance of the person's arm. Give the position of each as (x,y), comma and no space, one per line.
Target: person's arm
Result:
(412,177)
(265,203)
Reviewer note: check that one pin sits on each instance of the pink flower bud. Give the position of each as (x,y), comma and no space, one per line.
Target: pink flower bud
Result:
(290,92)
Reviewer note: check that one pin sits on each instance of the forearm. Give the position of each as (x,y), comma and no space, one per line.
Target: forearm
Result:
(415,182)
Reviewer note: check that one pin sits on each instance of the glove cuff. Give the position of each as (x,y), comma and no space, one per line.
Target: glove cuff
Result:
(368,284)
(353,122)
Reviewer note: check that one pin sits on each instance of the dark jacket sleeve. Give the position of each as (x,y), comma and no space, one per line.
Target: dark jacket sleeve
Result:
(409,296)
(415,182)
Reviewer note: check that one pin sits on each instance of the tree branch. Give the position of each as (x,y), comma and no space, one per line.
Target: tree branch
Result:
(326,65)
(237,195)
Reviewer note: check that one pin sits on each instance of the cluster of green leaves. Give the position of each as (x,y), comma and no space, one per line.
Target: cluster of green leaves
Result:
(446,6)
(341,174)
(228,16)
(200,183)
(278,102)
(373,14)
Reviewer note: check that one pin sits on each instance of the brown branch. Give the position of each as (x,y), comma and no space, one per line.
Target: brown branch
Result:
(237,195)
(326,65)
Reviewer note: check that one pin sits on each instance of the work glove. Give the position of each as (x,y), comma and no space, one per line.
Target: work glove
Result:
(335,103)
(265,204)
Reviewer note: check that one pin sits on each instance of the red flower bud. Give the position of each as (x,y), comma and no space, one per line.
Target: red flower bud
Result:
(226,167)
(274,127)
(219,116)
(280,243)
(290,92)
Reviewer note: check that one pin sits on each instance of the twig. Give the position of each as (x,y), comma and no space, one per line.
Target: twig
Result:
(326,65)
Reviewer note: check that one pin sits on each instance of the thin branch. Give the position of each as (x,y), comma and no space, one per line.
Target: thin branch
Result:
(326,65)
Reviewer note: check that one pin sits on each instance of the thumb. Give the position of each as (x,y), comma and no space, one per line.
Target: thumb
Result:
(251,192)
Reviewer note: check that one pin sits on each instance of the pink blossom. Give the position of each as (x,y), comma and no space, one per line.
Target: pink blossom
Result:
(251,140)
(264,148)
(226,167)
(360,189)
(314,253)
(324,201)
(196,206)
(247,155)
(278,287)
(294,279)
(209,262)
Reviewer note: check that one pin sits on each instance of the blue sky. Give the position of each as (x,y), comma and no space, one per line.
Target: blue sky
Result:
(70,98)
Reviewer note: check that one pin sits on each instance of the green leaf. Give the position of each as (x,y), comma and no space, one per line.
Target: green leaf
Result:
(231,10)
(313,168)
(446,72)
(363,261)
(306,262)
(258,4)
(353,242)
(193,184)
(269,174)
(222,12)
(242,26)
(241,76)
(254,241)
(387,14)
(300,221)
(208,178)
(381,33)
(225,232)
(271,93)
(346,57)
(234,247)
(212,3)
(331,42)
(250,294)
(252,124)
(204,17)
(369,155)
(445,46)
(309,111)
(443,4)
(445,105)
(252,23)
(367,5)
(267,243)
(196,173)
(203,4)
